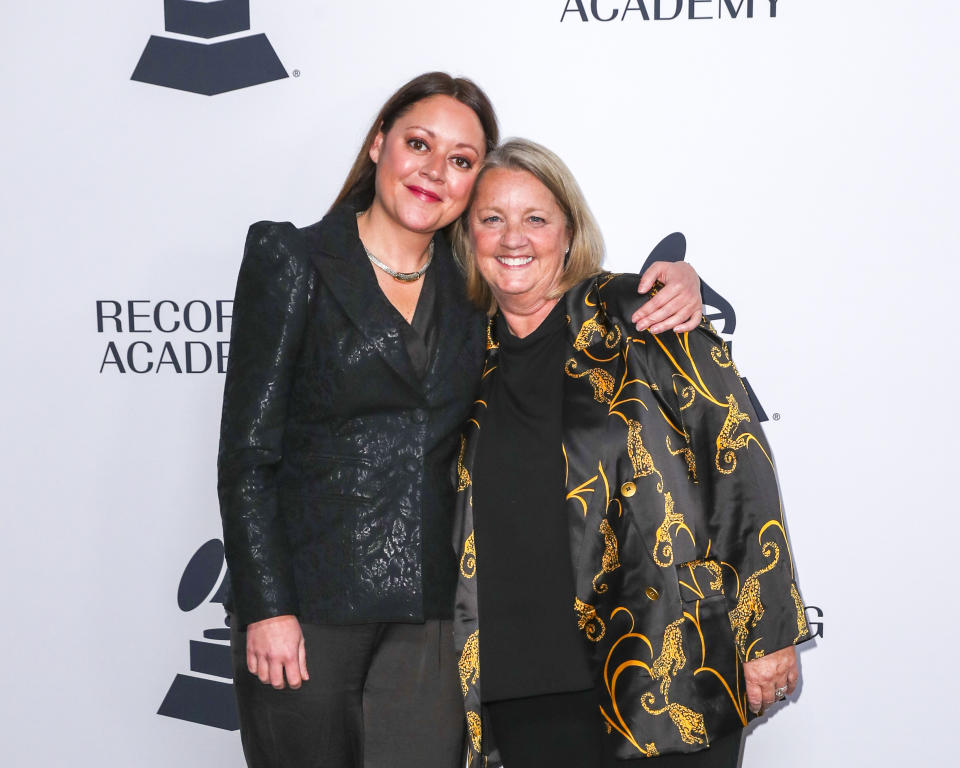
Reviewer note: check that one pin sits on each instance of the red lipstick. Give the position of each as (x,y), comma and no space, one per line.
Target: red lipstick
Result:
(424,194)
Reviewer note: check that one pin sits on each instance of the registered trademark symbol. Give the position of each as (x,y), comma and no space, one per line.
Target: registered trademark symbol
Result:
(776,417)
(296,73)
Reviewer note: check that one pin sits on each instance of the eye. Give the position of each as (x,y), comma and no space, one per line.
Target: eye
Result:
(462,162)
(538,220)
(417,144)
(492,219)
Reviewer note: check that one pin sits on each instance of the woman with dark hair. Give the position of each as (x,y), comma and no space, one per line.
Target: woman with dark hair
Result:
(354,358)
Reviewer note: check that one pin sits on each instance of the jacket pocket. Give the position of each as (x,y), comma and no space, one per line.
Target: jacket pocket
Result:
(334,476)
(700,580)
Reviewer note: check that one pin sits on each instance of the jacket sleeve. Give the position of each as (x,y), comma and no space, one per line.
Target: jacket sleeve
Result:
(269,314)
(702,394)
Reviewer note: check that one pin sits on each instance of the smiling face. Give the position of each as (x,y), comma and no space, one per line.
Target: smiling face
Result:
(518,234)
(427,163)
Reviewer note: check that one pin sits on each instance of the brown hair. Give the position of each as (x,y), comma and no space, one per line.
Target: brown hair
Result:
(360,185)
(586,242)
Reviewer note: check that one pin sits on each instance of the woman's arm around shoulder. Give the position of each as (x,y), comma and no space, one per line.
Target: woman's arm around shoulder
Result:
(676,306)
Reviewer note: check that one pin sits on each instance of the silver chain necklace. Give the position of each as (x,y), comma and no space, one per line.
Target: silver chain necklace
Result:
(403,277)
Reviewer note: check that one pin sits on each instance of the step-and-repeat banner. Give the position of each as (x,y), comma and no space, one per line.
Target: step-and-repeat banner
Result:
(807,149)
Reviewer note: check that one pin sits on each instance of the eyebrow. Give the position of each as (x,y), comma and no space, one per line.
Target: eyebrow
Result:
(432,135)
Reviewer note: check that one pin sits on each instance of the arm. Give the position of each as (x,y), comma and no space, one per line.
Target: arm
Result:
(677,305)
(743,516)
(269,314)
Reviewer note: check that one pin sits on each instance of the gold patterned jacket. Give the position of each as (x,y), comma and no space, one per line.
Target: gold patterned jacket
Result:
(681,562)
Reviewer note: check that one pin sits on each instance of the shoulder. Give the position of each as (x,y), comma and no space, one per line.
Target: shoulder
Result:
(613,293)
(276,245)
(615,297)
(268,235)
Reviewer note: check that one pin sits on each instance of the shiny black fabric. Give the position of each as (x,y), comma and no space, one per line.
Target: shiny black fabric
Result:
(334,455)
(420,335)
(678,541)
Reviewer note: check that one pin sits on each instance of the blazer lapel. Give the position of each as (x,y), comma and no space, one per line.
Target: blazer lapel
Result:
(338,255)
(590,368)
(454,312)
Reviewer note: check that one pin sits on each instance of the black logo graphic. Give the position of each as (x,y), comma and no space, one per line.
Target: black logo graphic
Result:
(674,248)
(208,68)
(200,699)
(665,10)
(816,627)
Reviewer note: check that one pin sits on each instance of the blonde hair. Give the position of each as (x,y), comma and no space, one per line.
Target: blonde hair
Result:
(586,242)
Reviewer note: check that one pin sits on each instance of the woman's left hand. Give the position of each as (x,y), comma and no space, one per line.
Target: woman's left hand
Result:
(677,306)
(769,674)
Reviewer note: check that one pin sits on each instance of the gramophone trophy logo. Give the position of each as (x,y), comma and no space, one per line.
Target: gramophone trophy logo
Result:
(211,67)
(206,696)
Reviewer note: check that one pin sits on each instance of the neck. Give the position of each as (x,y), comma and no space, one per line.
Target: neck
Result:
(522,318)
(398,247)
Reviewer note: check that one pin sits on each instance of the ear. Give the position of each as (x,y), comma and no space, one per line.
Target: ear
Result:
(376,147)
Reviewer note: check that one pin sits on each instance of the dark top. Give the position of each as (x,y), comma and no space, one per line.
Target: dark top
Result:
(420,335)
(337,436)
(530,644)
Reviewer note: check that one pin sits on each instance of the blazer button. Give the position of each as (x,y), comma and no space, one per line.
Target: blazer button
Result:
(419,417)
(652,593)
(628,489)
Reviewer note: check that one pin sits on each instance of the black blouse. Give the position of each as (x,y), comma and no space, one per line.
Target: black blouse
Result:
(420,335)
(530,644)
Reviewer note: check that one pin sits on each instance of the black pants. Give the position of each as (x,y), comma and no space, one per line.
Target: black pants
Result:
(563,730)
(379,696)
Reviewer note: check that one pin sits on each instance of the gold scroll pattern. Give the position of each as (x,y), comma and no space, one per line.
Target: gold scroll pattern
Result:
(588,621)
(468,561)
(593,326)
(802,629)
(688,456)
(689,723)
(663,549)
(749,609)
(627,398)
(610,560)
(463,475)
(474,729)
(469,664)
(663,669)
(601,381)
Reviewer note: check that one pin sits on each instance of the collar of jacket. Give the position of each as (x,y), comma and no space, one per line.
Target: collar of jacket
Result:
(338,255)
(592,333)
(582,300)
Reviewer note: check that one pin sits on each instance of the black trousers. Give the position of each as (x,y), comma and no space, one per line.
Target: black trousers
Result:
(563,730)
(379,696)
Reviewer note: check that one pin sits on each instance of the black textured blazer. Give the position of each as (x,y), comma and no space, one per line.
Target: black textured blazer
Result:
(334,462)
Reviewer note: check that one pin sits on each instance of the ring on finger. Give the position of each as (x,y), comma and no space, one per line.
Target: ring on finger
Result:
(781,693)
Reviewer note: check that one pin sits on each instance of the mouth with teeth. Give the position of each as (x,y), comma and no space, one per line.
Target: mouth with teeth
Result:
(515,261)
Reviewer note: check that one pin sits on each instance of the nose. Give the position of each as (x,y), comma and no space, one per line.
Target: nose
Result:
(432,168)
(513,235)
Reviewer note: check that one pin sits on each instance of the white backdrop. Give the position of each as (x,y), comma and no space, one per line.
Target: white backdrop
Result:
(811,160)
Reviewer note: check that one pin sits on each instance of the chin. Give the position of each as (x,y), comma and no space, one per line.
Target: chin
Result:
(512,290)
(421,221)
